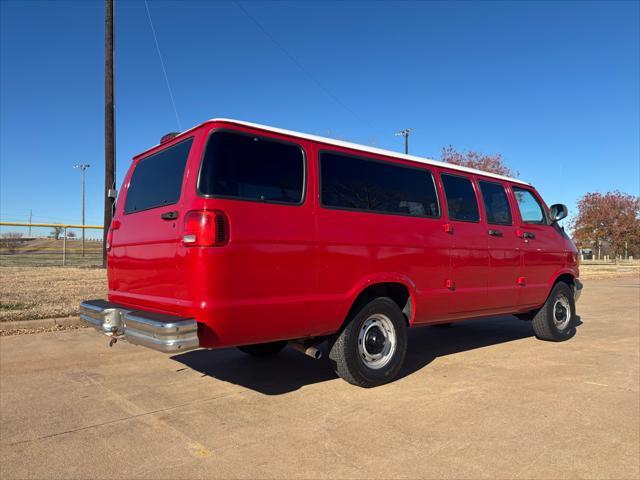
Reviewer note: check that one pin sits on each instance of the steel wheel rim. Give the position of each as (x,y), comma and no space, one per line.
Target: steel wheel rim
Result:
(377,341)
(561,312)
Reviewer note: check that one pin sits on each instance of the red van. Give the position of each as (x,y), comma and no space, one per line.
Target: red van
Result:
(237,234)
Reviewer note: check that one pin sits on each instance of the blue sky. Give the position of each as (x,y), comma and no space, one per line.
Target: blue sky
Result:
(553,86)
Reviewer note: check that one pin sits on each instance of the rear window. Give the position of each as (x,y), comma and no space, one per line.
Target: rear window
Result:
(358,184)
(462,204)
(249,167)
(496,203)
(157,179)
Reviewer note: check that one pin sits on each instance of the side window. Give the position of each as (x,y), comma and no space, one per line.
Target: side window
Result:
(359,184)
(530,209)
(157,179)
(496,203)
(461,199)
(249,167)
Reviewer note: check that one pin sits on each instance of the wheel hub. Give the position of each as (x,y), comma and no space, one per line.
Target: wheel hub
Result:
(561,312)
(377,341)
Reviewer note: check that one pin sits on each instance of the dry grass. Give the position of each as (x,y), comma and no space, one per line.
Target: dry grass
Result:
(595,271)
(28,293)
(48,252)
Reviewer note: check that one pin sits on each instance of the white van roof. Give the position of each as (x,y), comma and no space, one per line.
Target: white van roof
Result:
(359,147)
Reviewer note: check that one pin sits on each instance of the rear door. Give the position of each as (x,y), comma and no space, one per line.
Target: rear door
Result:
(543,248)
(263,281)
(469,264)
(504,246)
(143,261)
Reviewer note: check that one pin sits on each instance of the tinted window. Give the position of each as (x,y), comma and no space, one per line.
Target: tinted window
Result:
(461,199)
(530,209)
(252,168)
(157,179)
(496,203)
(355,183)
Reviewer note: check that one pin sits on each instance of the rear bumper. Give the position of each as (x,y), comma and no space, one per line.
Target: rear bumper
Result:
(165,333)
(577,289)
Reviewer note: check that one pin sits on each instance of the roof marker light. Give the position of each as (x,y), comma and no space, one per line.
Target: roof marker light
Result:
(169,136)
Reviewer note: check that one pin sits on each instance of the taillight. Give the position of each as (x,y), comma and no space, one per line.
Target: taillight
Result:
(205,228)
(115,224)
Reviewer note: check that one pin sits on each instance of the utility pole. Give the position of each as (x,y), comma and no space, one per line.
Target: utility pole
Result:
(82,167)
(30,215)
(405,133)
(109,127)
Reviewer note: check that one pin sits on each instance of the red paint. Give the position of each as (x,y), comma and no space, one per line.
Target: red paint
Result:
(294,271)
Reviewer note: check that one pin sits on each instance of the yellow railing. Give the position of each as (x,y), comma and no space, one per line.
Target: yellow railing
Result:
(63,226)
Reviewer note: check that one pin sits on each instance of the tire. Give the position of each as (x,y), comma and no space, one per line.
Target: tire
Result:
(556,320)
(371,347)
(263,349)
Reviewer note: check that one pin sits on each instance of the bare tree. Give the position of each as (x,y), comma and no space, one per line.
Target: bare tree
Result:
(56,232)
(488,163)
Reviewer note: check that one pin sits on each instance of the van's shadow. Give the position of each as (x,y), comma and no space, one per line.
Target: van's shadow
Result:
(290,370)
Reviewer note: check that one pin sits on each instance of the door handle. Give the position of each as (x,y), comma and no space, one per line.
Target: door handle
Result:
(528,235)
(169,215)
(495,233)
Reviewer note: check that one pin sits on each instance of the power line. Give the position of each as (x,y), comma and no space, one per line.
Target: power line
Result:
(164,70)
(299,65)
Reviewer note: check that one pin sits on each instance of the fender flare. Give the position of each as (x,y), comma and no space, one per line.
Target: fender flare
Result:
(558,273)
(384,277)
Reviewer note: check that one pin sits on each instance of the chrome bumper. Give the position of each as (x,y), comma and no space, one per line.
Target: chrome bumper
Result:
(166,333)
(577,289)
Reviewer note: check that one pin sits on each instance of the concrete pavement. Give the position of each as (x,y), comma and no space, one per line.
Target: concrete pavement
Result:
(480,399)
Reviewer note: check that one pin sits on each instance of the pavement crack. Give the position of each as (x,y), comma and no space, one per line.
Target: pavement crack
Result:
(124,419)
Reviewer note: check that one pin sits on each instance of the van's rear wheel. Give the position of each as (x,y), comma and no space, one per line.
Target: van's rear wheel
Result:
(556,320)
(263,349)
(371,348)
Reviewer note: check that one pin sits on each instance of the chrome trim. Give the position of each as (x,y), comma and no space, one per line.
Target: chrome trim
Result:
(166,333)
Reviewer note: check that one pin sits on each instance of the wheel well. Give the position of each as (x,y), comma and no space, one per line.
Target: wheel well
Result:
(566,278)
(395,291)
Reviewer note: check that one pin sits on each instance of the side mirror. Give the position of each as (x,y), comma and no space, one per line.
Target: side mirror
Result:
(558,212)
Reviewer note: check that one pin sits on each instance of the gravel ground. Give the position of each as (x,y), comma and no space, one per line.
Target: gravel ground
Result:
(51,328)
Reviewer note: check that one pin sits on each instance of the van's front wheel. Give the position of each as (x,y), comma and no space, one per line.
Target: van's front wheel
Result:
(371,348)
(556,320)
